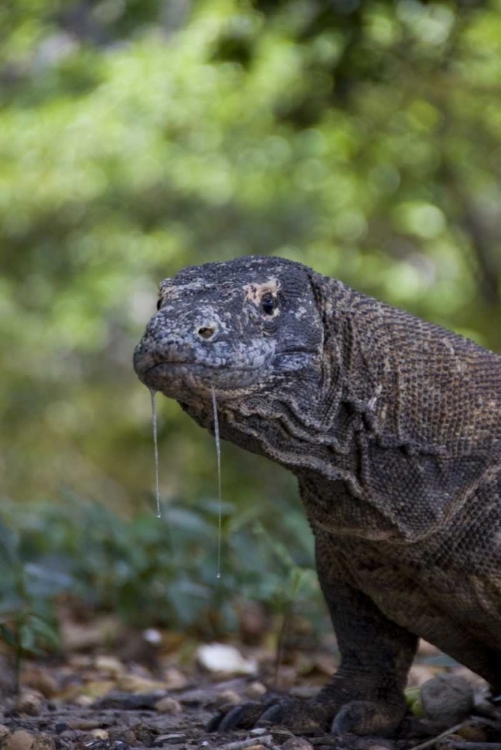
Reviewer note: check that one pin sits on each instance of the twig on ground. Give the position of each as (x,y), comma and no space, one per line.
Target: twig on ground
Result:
(430,743)
(465,745)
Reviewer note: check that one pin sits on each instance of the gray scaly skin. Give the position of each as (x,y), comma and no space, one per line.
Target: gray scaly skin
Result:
(393,429)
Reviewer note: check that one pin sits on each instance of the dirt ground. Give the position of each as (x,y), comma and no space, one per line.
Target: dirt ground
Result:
(165,696)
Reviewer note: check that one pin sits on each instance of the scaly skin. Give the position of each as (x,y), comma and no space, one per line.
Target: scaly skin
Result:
(392,427)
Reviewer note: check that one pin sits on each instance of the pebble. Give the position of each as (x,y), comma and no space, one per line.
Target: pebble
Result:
(447,699)
(109,664)
(29,702)
(174,679)
(168,706)
(84,701)
(23,740)
(249,744)
(256,690)
(297,743)
(228,697)
(41,681)
(169,739)
(221,657)
(19,740)
(100,734)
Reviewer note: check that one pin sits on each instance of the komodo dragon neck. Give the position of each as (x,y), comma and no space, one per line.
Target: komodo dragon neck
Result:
(402,408)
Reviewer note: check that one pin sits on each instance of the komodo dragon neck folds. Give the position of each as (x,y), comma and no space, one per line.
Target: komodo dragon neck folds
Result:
(393,429)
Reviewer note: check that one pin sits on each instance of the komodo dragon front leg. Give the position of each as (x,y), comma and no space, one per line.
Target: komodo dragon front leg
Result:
(365,696)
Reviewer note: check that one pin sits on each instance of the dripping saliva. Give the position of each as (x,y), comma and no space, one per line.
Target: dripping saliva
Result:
(155,446)
(218,454)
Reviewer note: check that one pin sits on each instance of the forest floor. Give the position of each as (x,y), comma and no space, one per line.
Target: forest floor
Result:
(159,690)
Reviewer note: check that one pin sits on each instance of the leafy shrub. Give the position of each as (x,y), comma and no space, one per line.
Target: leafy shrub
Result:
(149,571)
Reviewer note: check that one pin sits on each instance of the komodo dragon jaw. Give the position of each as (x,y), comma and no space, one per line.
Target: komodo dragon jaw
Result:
(231,329)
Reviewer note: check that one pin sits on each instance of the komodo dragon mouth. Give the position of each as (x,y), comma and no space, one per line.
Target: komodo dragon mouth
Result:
(171,377)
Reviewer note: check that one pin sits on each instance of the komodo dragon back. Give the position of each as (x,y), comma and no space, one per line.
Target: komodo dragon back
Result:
(391,425)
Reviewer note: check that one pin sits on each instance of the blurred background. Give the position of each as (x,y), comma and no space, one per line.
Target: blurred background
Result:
(140,136)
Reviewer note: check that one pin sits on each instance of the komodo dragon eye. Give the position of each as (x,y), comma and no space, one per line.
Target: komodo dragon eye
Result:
(268,303)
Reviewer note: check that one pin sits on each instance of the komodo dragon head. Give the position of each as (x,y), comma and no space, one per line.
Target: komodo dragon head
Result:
(247,327)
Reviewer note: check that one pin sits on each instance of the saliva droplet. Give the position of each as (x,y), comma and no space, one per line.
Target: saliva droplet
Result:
(155,447)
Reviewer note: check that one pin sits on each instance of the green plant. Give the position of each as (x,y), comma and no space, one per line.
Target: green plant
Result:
(27,619)
(153,571)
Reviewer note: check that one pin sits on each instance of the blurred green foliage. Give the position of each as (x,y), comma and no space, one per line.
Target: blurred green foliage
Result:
(363,139)
(149,572)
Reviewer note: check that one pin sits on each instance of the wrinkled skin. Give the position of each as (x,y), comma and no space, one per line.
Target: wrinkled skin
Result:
(392,428)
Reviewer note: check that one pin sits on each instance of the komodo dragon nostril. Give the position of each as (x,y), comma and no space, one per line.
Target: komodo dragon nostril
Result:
(207,332)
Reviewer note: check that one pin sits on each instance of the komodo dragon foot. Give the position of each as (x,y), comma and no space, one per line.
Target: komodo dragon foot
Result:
(322,714)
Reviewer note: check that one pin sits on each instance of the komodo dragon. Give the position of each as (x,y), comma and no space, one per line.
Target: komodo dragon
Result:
(392,426)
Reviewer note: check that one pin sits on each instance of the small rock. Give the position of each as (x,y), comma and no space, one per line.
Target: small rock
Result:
(29,702)
(220,657)
(258,731)
(100,734)
(256,690)
(174,679)
(80,637)
(23,740)
(153,636)
(19,740)
(168,706)
(40,680)
(109,664)
(169,739)
(132,683)
(447,699)
(97,688)
(196,697)
(83,700)
(226,697)
(297,743)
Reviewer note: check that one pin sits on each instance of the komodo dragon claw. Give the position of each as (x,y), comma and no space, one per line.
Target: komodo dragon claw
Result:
(302,717)
(311,717)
